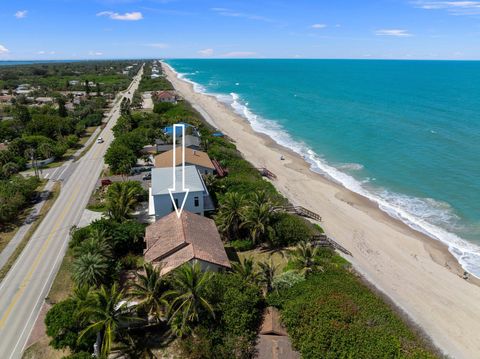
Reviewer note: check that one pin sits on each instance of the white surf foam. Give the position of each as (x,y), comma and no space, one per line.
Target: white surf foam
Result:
(426,215)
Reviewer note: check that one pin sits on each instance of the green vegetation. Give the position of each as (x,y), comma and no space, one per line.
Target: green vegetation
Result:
(70,76)
(155,84)
(46,207)
(15,194)
(332,314)
(32,131)
(135,311)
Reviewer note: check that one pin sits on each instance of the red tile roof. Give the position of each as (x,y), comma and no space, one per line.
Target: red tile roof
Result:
(173,241)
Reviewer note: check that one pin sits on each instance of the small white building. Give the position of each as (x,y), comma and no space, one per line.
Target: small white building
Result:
(160,203)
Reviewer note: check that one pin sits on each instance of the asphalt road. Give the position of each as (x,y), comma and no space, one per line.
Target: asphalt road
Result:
(23,291)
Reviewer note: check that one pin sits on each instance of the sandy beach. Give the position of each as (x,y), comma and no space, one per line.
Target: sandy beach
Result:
(416,272)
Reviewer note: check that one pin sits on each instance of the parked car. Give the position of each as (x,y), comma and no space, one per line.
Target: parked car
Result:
(147,177)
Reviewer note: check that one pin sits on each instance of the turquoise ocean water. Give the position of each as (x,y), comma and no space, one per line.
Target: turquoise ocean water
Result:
(404,133)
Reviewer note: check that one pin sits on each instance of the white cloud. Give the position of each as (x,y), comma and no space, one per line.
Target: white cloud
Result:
(452,7)
(42,52)
(239,54)
(319,26)
(232,13)
(158,45)
(128,16)
(205,52)
(3,50)
(393,32)
(20,14)
(95,53)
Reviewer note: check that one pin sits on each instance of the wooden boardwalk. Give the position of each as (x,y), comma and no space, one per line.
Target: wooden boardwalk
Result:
(266,173)
(322,240)
(302,211)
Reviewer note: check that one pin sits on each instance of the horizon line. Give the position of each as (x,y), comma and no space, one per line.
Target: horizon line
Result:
(237,58)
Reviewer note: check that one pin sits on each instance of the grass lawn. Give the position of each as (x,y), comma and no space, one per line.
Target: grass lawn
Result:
(62,286)
(259,255)
(8,232)
(41,350)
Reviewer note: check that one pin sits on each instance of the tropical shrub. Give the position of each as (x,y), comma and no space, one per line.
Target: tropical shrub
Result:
(289,230)
(63,325)
(242,245)
(333,315)
(232,332)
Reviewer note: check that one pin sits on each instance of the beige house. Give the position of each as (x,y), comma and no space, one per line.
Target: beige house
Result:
(193,157)
(164,96)
(173,241)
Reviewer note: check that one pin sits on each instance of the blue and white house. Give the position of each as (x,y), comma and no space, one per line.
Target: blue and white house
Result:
(160,203)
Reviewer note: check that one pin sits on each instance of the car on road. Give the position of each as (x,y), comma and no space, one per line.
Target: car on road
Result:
(100,140)
(147,177)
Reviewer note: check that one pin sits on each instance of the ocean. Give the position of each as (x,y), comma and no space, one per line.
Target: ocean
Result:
(405,134)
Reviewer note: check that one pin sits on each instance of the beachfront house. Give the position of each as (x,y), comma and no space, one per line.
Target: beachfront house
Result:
(160,204)
(164,96)
(193,157)
(191,141)
(172,241)
(43,100)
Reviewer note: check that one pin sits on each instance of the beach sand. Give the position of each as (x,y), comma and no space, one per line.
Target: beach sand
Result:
(416,272)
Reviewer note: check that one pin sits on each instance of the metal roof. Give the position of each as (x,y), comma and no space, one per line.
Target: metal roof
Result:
(162,180)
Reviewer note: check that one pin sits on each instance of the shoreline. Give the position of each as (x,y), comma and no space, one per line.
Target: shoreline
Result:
(416,272)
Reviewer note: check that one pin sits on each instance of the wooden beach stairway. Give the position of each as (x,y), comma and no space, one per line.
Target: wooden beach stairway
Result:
(221,172)
(266,173)
(322,240)
(302,211)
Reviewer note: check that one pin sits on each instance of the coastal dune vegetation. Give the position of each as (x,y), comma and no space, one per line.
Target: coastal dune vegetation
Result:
(132,310)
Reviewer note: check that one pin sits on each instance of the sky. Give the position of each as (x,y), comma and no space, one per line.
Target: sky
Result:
(107,29)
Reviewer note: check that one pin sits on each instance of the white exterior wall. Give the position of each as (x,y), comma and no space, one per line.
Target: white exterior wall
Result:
(206,266)
(163,203)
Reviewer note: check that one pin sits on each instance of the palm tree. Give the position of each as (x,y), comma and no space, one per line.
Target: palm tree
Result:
(189,302)
(90,269)
(95,244)
(214,185)
(305,258)
(133,347)
(107,312)
(81,294)
(246,270)
(45,150)
(260,197)
(258,219)
(267,274)
(148,291)
(122,199)
(230,214)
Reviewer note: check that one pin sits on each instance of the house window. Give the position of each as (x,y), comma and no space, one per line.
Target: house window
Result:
(195,199)
(176,204)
